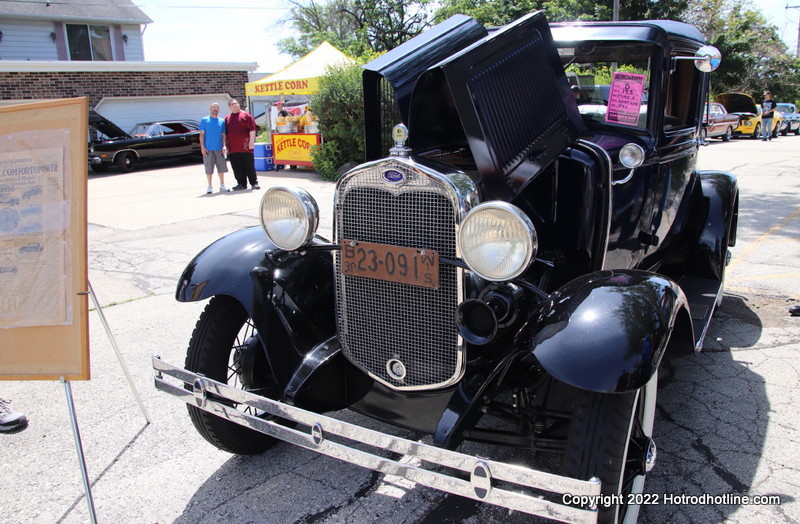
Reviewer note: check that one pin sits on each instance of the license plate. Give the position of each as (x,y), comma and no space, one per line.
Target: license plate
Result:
(404,265)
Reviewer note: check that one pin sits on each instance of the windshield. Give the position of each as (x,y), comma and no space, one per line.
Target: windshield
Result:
(141,130)
(786,108)
(610,81)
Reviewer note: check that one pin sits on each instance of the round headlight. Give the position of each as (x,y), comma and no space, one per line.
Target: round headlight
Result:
(289,216)
(631,155)
(497,241)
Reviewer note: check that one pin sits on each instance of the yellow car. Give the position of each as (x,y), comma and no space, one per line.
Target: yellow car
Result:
(749,113)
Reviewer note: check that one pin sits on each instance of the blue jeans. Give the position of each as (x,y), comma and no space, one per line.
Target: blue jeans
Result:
(766,128)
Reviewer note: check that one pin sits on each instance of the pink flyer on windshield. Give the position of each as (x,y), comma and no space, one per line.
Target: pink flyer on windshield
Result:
(625,98)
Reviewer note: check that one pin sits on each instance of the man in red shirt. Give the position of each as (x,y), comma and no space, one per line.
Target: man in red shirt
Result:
(240,135)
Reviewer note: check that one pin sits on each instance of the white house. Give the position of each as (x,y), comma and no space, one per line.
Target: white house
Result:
(71,48)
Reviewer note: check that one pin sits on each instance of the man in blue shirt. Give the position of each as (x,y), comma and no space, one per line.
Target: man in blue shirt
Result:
(212,140)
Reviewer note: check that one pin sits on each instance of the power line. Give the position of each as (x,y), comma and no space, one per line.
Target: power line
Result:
(153,6)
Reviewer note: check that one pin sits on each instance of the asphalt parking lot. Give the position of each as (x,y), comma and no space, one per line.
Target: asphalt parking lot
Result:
(726,423)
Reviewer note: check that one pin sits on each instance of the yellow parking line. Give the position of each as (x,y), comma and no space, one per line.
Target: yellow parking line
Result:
(766,277)
(750,291)
(763,238)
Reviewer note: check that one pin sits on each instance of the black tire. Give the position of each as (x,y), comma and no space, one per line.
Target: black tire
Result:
(223,336)
(757,131)
(703,135)
(125,161)
(609,438)
(99,168)
(728,135)
(797,131)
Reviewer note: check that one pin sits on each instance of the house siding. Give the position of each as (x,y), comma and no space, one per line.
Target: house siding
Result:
(99,84)
(134,49)
(31,40)
(27,40)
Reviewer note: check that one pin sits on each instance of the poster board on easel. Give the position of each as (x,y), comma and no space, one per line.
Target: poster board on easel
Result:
(43,241)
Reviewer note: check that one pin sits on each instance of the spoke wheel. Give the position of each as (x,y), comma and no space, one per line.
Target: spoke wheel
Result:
(757,132)
(226,347)
(610,438)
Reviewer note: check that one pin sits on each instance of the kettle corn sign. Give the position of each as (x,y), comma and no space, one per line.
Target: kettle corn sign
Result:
(294,148)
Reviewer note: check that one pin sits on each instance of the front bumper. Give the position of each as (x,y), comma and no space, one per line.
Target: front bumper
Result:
(506,485)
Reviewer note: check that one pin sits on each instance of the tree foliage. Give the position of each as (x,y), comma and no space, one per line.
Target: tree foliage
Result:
(497,12)
(754,57)
(339,107)
(359,28)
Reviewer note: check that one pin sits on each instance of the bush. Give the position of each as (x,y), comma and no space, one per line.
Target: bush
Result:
(339,106)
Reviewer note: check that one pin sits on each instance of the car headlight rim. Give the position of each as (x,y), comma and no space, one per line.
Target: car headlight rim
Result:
(631,155)
(289,216)
(497,241)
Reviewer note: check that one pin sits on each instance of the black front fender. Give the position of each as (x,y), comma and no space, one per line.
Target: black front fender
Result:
(718,212)
(607,331)
(298,288)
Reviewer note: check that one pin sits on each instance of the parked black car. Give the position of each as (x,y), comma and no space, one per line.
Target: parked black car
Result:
(163,140)
(512,274)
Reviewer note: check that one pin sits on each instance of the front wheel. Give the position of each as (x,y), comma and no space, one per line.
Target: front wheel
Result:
(226,347)
(610,437)
(757,131)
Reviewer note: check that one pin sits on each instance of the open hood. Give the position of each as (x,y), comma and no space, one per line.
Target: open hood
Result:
(105,126)
(738,103)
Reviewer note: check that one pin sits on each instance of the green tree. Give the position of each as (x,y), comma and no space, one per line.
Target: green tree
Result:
(754,57)
(359,28)
(339,107)
(498,12)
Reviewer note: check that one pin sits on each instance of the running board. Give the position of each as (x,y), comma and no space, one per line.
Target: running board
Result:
(497,483)
(702,295)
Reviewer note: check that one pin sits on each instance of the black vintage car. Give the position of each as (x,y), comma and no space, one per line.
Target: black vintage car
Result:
(163,140)
(512,274)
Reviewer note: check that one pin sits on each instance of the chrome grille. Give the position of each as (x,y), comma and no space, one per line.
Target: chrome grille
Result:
(383,321)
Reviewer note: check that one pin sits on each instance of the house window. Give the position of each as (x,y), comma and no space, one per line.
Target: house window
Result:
(89,42)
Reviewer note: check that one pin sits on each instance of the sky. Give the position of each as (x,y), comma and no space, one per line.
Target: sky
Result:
(214,31)
(247,30)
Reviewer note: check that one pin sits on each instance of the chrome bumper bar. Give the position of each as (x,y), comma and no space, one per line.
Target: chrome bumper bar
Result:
(488,481)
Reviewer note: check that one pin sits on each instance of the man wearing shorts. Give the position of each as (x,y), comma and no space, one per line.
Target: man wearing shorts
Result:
(212,144)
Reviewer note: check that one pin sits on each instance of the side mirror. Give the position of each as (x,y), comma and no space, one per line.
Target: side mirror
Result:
(707,58)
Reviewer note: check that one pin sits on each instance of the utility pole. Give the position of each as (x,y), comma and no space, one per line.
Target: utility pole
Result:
(797,49)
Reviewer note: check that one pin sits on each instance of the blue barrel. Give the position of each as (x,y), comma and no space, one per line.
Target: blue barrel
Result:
(262,153)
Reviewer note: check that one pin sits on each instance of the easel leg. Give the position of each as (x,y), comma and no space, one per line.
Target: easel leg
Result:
(79,447)
(116,350)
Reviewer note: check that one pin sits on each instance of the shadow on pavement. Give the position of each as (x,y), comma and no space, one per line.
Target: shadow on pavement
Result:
(711,424)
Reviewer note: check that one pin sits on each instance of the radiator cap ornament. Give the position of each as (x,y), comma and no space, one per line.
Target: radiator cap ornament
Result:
(400,137)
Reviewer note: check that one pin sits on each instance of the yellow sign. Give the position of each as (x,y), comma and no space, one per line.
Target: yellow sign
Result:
(294,149)
(302,86)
